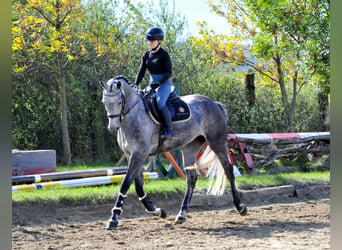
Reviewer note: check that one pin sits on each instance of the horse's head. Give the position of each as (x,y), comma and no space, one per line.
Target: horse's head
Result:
(113,100)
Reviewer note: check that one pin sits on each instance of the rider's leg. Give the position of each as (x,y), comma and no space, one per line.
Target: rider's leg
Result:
(167,121)
(163,93)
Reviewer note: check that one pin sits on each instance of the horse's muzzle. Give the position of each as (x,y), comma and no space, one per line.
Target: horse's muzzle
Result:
(113,128)
(113,125)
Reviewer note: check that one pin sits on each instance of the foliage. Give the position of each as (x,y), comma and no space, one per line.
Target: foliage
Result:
(277,39)
(43,29)
(31,109)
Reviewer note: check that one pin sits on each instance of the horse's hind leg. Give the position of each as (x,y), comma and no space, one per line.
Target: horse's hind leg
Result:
(191,178)
(220,150)
(189,152)
(149,206)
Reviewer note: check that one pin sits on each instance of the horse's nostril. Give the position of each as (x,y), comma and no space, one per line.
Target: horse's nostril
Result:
(112,128)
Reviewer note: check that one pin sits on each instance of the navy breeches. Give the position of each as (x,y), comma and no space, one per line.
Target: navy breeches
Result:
(163,91)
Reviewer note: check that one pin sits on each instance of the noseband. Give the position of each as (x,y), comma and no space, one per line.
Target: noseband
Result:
(123,112)
(122,100)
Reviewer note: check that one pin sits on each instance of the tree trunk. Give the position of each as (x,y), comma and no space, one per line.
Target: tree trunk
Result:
(294,102)
(63,108)
(323,102)
(63,112)
(250,89)
(281,81)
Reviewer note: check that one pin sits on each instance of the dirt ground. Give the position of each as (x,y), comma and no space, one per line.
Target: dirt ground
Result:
(289,223)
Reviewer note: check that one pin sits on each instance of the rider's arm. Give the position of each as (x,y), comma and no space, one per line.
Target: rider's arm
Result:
(142,70)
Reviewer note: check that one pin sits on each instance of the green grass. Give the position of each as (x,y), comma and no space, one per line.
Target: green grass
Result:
(94,195)
(87,166)
(165,188)
(297,178)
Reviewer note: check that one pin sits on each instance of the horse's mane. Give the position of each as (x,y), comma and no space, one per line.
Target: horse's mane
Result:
(123,78)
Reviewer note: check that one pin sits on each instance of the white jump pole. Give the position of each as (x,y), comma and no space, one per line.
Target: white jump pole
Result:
(93,181)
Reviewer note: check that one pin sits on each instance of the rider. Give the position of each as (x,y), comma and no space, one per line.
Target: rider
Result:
(158,62)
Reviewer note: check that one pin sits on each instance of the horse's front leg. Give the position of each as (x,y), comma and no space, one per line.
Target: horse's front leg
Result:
(149,206)
(191,178)
(135,162)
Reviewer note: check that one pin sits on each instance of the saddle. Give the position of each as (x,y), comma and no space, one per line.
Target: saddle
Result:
(179,110)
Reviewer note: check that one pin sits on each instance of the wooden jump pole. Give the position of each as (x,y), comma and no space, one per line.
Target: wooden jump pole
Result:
(174,164)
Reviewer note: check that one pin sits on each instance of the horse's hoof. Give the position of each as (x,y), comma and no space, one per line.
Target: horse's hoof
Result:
(162,213)
(112,225)
(157,212)
(243,210)
(180,220)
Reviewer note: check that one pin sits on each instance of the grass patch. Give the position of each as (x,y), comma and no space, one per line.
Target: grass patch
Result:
(298,179)
(95,195)
(78,167)
(165,188)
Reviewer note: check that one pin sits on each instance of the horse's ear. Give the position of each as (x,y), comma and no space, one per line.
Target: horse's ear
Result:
(118,84)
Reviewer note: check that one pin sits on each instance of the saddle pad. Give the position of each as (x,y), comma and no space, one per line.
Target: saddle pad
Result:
(178,109)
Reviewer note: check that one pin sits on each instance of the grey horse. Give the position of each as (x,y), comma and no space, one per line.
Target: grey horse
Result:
(139,137)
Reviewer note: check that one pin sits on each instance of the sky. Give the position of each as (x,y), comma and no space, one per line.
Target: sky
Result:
(198,10)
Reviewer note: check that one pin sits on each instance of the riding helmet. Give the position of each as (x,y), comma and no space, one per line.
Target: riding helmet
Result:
(154,33)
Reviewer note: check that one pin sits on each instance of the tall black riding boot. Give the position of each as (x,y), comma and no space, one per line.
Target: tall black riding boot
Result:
(167,122)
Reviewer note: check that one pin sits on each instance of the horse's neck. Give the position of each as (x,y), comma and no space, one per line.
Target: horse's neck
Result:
(133,103)
(130,94)
(137,112)
(134,117)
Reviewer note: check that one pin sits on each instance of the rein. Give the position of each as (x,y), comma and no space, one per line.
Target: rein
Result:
(122,112)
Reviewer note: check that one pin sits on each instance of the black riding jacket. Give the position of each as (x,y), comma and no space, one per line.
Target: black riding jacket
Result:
(156,63)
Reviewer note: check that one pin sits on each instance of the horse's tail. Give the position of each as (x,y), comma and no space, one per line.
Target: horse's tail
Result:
(224,111)
(217,177)
(209,160)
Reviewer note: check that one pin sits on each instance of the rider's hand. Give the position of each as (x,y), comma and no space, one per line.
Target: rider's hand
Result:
(155,85)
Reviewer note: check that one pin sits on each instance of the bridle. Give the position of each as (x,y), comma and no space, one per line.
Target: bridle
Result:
(123,112)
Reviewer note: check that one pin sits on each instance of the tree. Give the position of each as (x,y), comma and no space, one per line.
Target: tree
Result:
(282,36)
(49,33)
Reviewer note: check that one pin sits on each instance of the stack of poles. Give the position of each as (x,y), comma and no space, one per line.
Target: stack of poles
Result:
(72,179)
